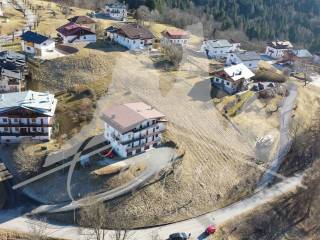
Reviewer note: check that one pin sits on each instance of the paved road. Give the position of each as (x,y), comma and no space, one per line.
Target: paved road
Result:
(13,220)
(285,139)
(158,159)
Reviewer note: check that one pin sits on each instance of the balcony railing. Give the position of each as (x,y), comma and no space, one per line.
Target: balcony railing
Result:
(2,134)
(130,149)
(141,137)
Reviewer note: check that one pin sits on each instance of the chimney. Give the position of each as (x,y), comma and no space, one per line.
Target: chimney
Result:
(113,116)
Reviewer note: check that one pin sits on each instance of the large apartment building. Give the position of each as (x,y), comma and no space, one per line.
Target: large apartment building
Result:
(26,115)
(133,128)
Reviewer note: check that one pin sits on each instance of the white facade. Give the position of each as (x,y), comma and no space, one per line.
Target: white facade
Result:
(275,53)
(179,41)
(131,44)
(143,137)
(44,49)
(316,58)
(116,11)
(90,38)
(219,48)
(10,85)
(232,79)
(26,115)
(15,130)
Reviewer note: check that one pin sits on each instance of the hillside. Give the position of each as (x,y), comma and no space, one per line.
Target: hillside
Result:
(258,19)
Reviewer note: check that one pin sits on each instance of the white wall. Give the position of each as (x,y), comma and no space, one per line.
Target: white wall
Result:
(168,41)
(275,53)
(90,38)
(121,148)
(131,44)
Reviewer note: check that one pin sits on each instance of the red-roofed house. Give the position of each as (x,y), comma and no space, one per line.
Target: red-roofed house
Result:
(175,36)
(73,33)
(133,128)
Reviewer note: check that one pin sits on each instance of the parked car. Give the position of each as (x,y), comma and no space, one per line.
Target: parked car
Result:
(211,229)
(107,153)
(179,236)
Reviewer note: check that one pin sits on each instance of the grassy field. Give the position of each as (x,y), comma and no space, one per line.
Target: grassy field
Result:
(16,21)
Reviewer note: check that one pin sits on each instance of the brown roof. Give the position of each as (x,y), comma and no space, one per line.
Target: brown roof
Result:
(135,31)
(71,29)
(127,116)
(81,20)
(175,33)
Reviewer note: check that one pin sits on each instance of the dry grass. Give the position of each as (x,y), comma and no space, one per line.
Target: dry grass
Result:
(15,235)
(16,21)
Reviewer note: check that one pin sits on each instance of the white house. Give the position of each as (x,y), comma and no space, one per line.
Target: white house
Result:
(219,48)
(133,128)
(13,69)
(232,79)
(117,11)
(277,49)
(74,33)
(37,45)
(249,58)
(132,36)
(26,115)
(174,36)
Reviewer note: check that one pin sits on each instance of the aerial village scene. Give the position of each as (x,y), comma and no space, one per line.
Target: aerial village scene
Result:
(116,123)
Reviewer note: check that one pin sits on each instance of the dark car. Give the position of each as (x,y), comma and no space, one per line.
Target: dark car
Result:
(178,236)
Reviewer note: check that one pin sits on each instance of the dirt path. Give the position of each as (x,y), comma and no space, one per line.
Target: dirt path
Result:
(285,139)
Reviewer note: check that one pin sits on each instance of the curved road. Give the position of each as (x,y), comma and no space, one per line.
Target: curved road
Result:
(13,220)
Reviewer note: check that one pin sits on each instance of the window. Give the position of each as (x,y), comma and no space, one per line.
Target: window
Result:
(16,129)
(5,120)
(15,120)
(34,129)
(6,129)
(33,120)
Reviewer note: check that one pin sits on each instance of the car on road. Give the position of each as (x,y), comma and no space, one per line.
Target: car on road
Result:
(211,229)
(179,236)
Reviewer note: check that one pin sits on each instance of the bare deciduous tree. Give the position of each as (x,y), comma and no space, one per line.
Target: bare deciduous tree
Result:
(143,14)
(94,216)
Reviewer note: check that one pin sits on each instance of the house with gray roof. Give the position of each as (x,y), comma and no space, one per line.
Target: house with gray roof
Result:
(26,115)
(133,128)
(250,59)
(13,69)
(219,48)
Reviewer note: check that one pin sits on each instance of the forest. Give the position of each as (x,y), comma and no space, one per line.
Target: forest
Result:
(296,20)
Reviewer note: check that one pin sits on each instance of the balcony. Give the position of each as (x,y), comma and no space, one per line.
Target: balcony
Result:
(23,124)
(141,137)
(130,149)
(35,134)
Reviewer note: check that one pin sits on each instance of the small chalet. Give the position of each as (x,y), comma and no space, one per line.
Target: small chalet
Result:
(219,48)
(84,21)
(37,45)
(174,36)
(117,11)
(133,128)
(132,36)
(13,69)
(232,79)
(277,49)
(249,58)
(26,115)
(74,33)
